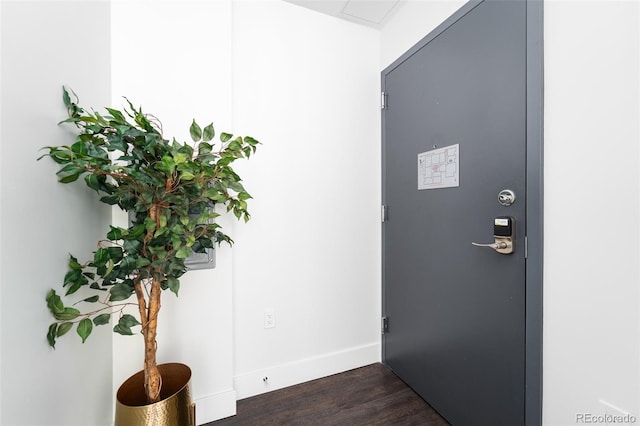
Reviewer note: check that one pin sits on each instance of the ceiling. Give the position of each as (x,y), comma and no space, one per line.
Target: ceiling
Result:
(372,13)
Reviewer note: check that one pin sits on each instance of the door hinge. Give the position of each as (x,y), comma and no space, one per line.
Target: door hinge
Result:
(384,325)
(383,213)
(383,100)
(526,247)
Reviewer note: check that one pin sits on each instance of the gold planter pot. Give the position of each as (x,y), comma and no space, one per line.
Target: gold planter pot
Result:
(174,409)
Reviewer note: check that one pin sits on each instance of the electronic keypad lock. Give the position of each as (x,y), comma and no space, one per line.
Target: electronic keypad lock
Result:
(504,230)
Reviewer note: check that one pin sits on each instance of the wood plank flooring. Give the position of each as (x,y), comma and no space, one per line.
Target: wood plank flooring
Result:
(370,395)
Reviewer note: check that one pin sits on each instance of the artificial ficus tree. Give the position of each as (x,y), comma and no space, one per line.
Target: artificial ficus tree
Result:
(169,189)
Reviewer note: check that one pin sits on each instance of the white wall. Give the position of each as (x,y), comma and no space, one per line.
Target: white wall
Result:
(311,251)
(174,58)
(591,330)
(1,69)
(591,296)
(45,45)
(307,86)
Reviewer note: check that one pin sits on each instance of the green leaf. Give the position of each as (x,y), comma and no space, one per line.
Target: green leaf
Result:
(51,335)
(135,232)
(141,262)
(208,133)
(236,186)
(108,269)
(176,241)
(67,314)
(59,156)
(110,199)
(195,131)
(224,137)
(91,299)
(70,169)
(79,148)
(180,157)
(54,302)
(251,141)
(206,242)
(117,142)
(159,252)
(100,257)
(149,224)
(167,165)
(122,330)
(131,246)
(73,263)
(183,253)
(64,328)
(72,276)
(234,145)
(92,182)
(116,114)
(65,97)
(69,178)
(185,175)
(115,253)
(160,232)
(128,264)
(120,291)
(102,319)
(225,160)
(163,220)
(84,329)
(204,148)
(128,321)
(114,234)
(173,284)
(75,286)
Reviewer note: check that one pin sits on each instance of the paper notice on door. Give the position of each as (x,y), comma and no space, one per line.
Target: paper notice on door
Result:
(439,168)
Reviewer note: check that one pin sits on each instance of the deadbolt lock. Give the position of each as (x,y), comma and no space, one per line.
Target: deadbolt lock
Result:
(504,228)
(506,197)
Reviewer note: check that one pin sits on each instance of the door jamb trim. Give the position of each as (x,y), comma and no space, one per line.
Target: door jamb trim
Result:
(534,211)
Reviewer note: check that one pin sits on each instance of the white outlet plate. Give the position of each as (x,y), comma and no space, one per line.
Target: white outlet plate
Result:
(269,318)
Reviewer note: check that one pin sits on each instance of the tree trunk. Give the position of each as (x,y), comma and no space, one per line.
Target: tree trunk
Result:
(149,317)
(152,378)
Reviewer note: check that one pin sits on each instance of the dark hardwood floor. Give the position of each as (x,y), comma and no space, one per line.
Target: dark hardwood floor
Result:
(370,395)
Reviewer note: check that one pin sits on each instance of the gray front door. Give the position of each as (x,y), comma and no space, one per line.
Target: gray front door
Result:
(454,136)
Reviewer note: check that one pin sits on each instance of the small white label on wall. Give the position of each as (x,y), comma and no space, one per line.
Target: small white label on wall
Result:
(439,168)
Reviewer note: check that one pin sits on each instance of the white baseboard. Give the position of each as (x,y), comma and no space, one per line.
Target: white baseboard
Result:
(296,372)
(215,407)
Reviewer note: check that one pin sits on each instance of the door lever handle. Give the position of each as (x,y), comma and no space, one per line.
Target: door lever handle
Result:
(503,245)
(495,246)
